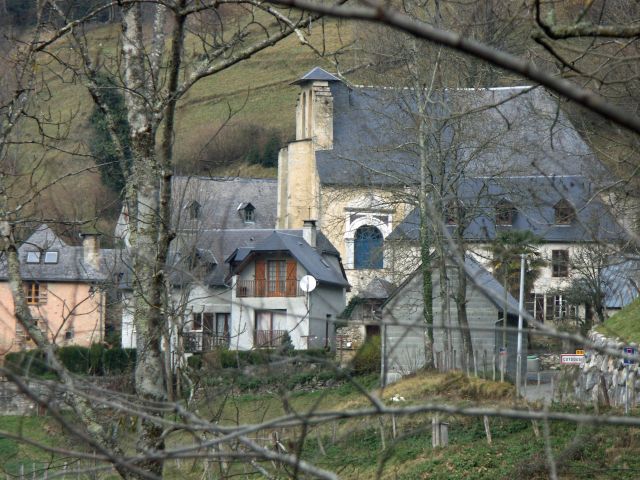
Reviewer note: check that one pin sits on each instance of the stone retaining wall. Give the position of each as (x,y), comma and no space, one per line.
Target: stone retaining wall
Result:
(604,378)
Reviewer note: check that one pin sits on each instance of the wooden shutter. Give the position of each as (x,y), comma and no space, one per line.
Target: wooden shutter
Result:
(292,280)
(43,293)
(261,270)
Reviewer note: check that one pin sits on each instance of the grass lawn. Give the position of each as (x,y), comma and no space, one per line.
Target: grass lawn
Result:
(625,324)
(366,447)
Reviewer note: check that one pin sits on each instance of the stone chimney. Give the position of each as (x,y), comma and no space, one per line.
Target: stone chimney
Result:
(91,249)
(310,233)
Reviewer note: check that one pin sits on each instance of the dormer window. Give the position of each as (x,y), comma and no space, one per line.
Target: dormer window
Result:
(249,214)
(505,212)
(564,213)
(247,211)
(33,257)
(51,257)
(453,212)
(195,210)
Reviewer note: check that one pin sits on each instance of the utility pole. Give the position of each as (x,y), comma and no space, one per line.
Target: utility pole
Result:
(520,308)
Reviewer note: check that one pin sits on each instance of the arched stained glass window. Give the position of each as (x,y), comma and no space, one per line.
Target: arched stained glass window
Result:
(368,248)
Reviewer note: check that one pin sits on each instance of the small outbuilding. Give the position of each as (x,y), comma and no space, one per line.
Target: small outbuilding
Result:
(404,329)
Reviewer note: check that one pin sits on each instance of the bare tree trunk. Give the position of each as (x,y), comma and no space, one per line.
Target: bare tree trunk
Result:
(148,288)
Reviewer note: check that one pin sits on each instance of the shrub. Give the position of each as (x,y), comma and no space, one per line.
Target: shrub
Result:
(75,359)
(96,360)
(367,359)
(30,362)
(195,361)
(119,360)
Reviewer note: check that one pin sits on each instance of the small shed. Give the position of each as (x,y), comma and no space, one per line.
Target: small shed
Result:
(404,328)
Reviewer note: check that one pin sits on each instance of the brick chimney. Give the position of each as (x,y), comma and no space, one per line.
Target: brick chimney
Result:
(91,249)
(309,232)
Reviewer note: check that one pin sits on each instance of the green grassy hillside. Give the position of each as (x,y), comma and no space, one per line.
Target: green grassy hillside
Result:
(367,447)
(625,324)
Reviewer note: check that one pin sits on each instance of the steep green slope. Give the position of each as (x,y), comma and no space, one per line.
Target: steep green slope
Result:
(625,324)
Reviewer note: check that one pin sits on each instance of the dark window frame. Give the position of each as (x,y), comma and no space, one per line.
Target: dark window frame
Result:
(505,213)
(368,248)
(48,252)
(560,263)
(37,255)
(564,213)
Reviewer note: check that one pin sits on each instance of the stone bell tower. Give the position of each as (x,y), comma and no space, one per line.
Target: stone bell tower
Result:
(314,110)
(298,181)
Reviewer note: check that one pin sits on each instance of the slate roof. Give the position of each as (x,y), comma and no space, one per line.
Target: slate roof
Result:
(534,199)
(513,131)
(620,283)
(316,74)
(70,267)
(217,246)
(480,277)
(220,200)
(291,241)
(377,289)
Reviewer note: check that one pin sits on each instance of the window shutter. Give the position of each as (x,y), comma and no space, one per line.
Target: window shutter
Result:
(292,280)
(43,293)
(260,277)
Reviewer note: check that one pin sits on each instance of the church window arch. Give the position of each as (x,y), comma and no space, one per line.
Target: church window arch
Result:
(368,249)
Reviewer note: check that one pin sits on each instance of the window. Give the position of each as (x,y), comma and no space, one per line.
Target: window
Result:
(505,213)
(559,263)
(69,334)
(271,327)
(564,213)
(249,214)
(51,257)
(368,248)
(276,276)
(33,257)
(196,321)
(195,210)
(35,293)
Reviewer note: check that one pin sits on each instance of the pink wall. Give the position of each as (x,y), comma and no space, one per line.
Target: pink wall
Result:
(67,306)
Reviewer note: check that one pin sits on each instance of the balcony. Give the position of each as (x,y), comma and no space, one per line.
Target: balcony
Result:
(203,341)
(268,288)
(269,338)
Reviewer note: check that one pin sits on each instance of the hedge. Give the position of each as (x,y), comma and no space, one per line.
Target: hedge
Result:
(94,360)
(223,358)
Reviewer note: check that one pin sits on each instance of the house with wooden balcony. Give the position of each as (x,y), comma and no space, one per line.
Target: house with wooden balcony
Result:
(217,219)
(268,302)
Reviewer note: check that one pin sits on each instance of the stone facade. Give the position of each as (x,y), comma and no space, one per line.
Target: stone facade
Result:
(604,378)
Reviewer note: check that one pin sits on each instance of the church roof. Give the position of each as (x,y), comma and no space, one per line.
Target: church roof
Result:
(501,131)
(316,74)
(534,199)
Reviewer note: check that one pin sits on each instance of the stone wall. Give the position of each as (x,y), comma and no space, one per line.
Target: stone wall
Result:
(604,378)
(14,402)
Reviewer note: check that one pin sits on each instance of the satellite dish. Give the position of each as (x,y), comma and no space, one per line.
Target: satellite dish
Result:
(308,283)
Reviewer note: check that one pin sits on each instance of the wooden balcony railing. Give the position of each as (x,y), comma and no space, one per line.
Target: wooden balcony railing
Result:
(269,338)
(268,288)
(203,341)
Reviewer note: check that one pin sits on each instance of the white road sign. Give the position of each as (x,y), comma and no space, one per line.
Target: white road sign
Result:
(571,359)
